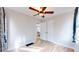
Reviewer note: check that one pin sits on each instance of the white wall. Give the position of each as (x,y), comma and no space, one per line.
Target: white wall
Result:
(59,29)
(21,29)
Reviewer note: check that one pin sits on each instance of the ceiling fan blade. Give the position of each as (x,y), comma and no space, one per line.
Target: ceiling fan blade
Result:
(43,8)
(48,12)
(35,14)
(33,9)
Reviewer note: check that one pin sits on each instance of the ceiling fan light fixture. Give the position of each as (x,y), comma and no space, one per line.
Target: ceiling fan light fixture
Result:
(41,14)
(40,9)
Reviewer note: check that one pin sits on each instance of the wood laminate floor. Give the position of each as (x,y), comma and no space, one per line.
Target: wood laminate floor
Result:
(47,47)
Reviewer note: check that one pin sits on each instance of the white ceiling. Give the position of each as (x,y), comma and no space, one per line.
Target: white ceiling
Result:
(57,11)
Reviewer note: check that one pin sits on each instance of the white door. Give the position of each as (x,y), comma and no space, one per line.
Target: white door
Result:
(43,30)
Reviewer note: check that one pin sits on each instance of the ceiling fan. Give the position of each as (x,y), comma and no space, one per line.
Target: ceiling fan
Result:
(41,11)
